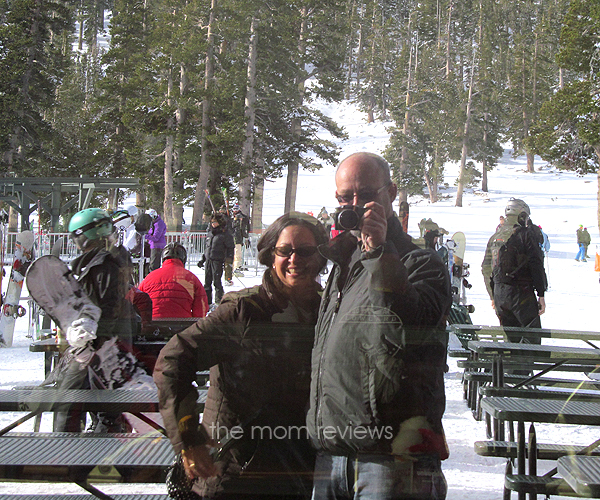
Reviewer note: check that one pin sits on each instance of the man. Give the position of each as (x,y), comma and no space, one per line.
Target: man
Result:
(175,291)
(586,239)
(377,388)
(156,236)
(219,247)
(241,228)
(513,270)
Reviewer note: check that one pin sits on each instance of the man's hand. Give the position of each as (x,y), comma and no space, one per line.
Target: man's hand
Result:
(198,463)
(373,230)
(541,305)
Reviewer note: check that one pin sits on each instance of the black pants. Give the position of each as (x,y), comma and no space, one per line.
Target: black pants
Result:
(155,258)
(516,305)
(213,270)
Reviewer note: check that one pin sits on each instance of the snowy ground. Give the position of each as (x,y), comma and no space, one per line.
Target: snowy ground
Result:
(559,202)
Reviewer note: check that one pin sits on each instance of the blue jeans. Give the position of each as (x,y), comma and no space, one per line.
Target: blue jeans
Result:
(378,477)
(581,253)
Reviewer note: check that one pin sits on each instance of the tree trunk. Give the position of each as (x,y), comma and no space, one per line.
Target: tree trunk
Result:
(250,112)
(403,191)
(257,205)
(169,153)
(200,196)
(597,151)
(463,155)
(293,167)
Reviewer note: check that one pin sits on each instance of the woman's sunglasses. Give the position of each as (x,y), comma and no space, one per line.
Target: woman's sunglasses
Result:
(287,251)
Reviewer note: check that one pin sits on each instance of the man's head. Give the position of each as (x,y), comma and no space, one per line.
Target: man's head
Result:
(235,209)
(364,177)
(152,213)
(516,208)
(174,251)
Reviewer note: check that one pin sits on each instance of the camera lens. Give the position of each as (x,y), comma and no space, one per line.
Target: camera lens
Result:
(348,219)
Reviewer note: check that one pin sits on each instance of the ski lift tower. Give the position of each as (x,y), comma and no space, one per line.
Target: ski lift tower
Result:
(24,193)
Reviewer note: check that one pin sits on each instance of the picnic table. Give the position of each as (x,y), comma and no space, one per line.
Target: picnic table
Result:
(538,411)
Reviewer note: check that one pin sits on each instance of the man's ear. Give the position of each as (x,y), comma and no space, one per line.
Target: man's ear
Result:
(393,190)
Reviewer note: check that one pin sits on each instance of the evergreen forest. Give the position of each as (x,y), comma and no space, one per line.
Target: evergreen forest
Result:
(218,96)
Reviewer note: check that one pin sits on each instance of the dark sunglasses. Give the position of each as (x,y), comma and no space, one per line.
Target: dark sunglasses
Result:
(365,196)
(287,251)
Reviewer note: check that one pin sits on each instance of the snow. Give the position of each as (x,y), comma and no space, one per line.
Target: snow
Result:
(559,202)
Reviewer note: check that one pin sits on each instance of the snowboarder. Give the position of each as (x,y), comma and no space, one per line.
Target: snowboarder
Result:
(513,270)
(106,282)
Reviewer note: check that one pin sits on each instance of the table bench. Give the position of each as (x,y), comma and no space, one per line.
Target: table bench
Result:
(39,400)
(582,473)
(85,458)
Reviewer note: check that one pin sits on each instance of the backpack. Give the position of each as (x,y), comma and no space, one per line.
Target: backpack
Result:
(509,255)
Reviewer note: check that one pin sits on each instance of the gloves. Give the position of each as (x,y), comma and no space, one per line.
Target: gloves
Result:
(202,261)
(81,331)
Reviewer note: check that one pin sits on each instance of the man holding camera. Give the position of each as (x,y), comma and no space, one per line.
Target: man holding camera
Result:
(378,362)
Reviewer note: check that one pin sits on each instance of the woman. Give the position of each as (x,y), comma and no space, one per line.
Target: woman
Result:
(258,343)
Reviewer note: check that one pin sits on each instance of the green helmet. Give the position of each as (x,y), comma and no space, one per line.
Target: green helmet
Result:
(89,225)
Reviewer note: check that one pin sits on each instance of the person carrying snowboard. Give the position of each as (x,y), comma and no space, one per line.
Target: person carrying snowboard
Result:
(513,270)
(96,349)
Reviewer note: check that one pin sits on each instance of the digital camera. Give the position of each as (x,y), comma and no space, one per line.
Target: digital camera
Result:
(348,217)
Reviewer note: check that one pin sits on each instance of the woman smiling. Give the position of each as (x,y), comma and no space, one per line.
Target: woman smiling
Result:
(252,441)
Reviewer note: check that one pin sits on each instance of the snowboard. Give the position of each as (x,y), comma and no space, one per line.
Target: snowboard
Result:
(11,309)
(54,288)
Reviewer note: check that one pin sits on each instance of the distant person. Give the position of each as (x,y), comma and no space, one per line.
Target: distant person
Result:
(175,291)
(219,246)
(587,239)
(502,221)
(325,219)
(157,237)
(580,257)
(228,266)
(241,229)
(513,270)
(545,245)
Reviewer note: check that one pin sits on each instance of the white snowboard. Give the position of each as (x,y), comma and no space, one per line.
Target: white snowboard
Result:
(54,288)
(11,310)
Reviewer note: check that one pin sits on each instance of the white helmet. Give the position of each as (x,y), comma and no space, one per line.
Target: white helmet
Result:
(152,213)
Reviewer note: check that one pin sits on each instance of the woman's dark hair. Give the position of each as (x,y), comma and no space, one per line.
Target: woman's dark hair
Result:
(268,240)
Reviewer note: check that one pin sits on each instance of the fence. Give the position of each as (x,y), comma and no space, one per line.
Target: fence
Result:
(194,243)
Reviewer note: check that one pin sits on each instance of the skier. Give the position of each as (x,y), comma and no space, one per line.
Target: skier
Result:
(106,281)
(513,270)
(156,236)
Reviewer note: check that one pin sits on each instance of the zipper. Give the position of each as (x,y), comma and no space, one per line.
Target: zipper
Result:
(318,416)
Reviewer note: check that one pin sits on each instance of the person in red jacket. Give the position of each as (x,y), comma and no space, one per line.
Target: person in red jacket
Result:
(175,291)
